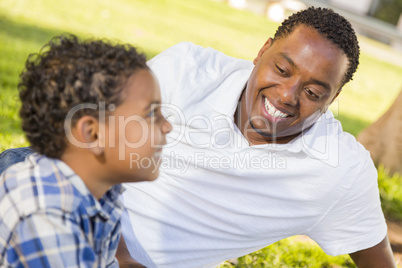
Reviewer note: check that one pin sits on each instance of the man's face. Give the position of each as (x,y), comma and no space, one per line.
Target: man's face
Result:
(293,82)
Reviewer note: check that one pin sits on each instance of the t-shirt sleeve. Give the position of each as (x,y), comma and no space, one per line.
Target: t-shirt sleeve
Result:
(168,66)
(355,221)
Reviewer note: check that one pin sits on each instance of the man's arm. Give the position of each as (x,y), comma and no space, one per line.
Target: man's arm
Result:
(124,257)
(379,256)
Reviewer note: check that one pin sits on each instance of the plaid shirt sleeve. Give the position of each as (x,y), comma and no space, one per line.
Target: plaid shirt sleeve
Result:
(49,240)
(48,218)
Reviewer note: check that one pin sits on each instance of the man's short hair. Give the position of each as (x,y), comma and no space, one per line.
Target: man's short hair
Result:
(65,74)
(330,25)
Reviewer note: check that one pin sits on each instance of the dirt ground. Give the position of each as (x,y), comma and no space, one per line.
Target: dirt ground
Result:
(395,238)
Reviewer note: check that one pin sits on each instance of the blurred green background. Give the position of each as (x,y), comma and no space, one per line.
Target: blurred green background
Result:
(154,25)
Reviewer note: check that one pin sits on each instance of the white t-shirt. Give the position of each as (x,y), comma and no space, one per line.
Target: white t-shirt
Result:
(219,198)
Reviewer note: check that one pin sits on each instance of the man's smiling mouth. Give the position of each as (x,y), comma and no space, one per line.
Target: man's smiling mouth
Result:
(272,111)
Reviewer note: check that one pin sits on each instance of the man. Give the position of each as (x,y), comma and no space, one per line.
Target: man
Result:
(255,156)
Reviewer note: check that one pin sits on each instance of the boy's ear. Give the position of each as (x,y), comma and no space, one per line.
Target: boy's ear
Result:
(88,132)
(262,50)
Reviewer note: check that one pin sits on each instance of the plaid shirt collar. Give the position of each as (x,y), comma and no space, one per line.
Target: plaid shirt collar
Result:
(105,205)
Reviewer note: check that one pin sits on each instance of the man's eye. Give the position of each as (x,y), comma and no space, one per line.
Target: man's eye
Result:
(281,71)
(312,94)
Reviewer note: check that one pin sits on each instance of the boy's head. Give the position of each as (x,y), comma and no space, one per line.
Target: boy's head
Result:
(67,73)
(330,25)
(94,99)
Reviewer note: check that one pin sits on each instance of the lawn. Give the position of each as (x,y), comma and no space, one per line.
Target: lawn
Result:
(154,25)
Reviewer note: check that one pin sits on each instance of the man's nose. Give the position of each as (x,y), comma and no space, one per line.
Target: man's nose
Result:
(289,92)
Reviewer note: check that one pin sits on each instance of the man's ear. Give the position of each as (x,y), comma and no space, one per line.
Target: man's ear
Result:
(336,95)
(262,50)
(88,132)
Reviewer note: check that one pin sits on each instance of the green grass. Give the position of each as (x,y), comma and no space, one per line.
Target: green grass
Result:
(154,25)
(391,193)
(293,252)
(375,86)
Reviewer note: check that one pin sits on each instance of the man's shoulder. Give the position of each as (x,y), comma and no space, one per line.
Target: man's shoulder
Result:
(327,141)
(32,186)
(192,76)
(199,55)
(12,156)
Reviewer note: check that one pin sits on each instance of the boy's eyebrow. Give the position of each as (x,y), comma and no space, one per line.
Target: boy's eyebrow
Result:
(315,81)
(152,103)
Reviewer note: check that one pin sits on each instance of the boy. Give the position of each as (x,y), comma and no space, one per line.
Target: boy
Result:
(87,109)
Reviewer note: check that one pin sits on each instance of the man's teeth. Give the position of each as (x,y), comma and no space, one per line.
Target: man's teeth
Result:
(273,111)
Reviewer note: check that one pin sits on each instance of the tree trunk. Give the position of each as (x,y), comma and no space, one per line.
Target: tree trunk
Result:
(383,138)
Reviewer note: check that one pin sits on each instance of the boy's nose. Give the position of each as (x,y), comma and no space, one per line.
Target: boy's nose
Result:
(166,127)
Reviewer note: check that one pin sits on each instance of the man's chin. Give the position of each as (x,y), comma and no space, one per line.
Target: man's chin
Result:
(265,132)
(271,135)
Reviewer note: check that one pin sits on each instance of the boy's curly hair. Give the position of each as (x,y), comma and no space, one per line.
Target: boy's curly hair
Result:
(330,25)
(67,73)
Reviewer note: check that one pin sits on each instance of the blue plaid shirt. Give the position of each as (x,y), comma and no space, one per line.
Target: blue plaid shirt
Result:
(48,218)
